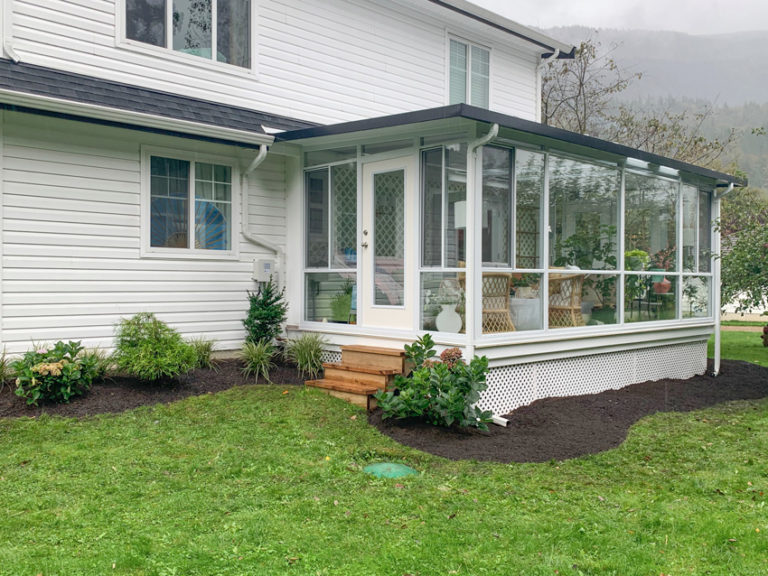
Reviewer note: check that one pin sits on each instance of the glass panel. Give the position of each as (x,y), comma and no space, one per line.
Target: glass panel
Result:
(497,199)
(525,302)
(442,302)
(344,208)
(169,197)
(529,192)
(213,219)
(432,208)
(648,298)
(697,297)
(330,156)
(583,208)
(145,21)
(317,219)
(458,73)
(192,27)
(705,232)
(651,223)
(233,32)
(389,237)
(456,205)
(481,64)
(566,296)
(598,299)
(331,297)
(690,228)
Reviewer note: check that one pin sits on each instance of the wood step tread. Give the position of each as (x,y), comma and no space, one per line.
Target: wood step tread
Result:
(362,369)
(339,386)
(374,350)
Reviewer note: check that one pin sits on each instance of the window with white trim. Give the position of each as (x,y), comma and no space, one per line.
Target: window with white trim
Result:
(194,27)
(469,74)
(190,205)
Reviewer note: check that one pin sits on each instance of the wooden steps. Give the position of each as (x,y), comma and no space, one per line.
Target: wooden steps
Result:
(363,371)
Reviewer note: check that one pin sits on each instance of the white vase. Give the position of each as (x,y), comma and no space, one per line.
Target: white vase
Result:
(448,320)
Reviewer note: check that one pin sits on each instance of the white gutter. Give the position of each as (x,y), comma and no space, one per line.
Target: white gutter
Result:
(244,228)
(474,254)
(716,265)
(130,117)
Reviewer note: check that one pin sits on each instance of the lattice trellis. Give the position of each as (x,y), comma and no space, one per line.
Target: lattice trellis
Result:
(344,179)
(510,387)
(389,187)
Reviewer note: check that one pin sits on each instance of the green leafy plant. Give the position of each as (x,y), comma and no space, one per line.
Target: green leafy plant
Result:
(204,351)
(6,372)
(149,349)
(257,359)
(55,374)
(341,303)
(443,393)
(306,352)
(266,313)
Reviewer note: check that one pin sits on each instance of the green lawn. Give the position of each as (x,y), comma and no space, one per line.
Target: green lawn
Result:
(746,346)
(255,481)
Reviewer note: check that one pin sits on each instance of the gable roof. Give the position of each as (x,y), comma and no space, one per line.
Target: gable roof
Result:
(37,88)
(546,135)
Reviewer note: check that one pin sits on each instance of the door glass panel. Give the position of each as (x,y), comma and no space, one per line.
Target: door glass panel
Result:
(389,237)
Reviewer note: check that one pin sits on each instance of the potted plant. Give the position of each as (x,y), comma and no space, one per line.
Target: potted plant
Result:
(662,261)
(341,303)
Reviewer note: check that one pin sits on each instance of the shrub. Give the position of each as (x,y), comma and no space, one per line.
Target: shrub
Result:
(56,374)
(6,372)
(306,352)
(266,313)
(203,350)
(440,393)
(257,357)
(149,349)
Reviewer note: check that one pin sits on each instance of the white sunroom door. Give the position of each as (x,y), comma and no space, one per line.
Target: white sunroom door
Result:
(387,245)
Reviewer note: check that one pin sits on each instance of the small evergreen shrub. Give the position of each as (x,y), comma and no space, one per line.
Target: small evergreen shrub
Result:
(55,374)
(149,349)
(257,359)
(306,352)
(204,351)
(266,313)
(442,393)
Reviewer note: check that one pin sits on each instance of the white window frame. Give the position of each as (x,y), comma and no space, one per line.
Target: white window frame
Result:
(148,251)
(123,42)
(468,78)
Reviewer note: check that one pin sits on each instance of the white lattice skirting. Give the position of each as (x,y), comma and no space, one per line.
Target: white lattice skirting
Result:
(510,387)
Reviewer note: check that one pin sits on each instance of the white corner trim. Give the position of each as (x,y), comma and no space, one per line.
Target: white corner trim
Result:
(125,116)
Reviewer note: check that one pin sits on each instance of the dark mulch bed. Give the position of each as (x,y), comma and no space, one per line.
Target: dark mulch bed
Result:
(561,428)
(122,393)
(553,428)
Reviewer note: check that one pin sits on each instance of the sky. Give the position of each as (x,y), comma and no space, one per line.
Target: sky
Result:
(689,16)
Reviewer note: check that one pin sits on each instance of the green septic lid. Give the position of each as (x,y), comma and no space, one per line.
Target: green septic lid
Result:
(389,470)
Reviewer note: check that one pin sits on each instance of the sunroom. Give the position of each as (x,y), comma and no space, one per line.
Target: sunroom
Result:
(573,263)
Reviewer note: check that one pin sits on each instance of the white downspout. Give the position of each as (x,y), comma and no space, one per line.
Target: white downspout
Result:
(716,296)
(278,251)
(539,68)
(473,247)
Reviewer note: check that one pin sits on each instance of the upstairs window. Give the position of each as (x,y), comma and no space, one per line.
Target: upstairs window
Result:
(470,72)
(196,27)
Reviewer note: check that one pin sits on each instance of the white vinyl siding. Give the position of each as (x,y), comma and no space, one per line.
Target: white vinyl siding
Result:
(71,265)
(319,60)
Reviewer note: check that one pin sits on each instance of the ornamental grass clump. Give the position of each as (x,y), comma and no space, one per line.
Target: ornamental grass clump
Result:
(442,393)
(306,352)
(149,349)
(56,374)
(257,359)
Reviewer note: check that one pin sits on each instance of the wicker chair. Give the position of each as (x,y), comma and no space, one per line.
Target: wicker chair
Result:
(496,316)
(565,300)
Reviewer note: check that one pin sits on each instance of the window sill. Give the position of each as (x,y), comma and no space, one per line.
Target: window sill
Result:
(185,254)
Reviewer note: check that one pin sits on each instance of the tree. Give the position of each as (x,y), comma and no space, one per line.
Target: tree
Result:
(744,227)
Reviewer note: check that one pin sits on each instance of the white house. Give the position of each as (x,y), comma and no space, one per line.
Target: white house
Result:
(382,157)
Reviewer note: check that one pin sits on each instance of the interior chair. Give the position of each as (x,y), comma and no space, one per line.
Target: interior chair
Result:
(565,300)
(496,315)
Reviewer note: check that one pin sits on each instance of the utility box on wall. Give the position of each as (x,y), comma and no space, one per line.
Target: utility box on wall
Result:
(263,269)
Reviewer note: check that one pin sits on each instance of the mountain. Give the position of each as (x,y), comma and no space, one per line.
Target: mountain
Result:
(723,69)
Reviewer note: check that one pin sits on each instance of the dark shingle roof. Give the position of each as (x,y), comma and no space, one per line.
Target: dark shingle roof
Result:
(42,81)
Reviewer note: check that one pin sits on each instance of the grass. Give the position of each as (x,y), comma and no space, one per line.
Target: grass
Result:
(747,346)
(744,322)
(257,481)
